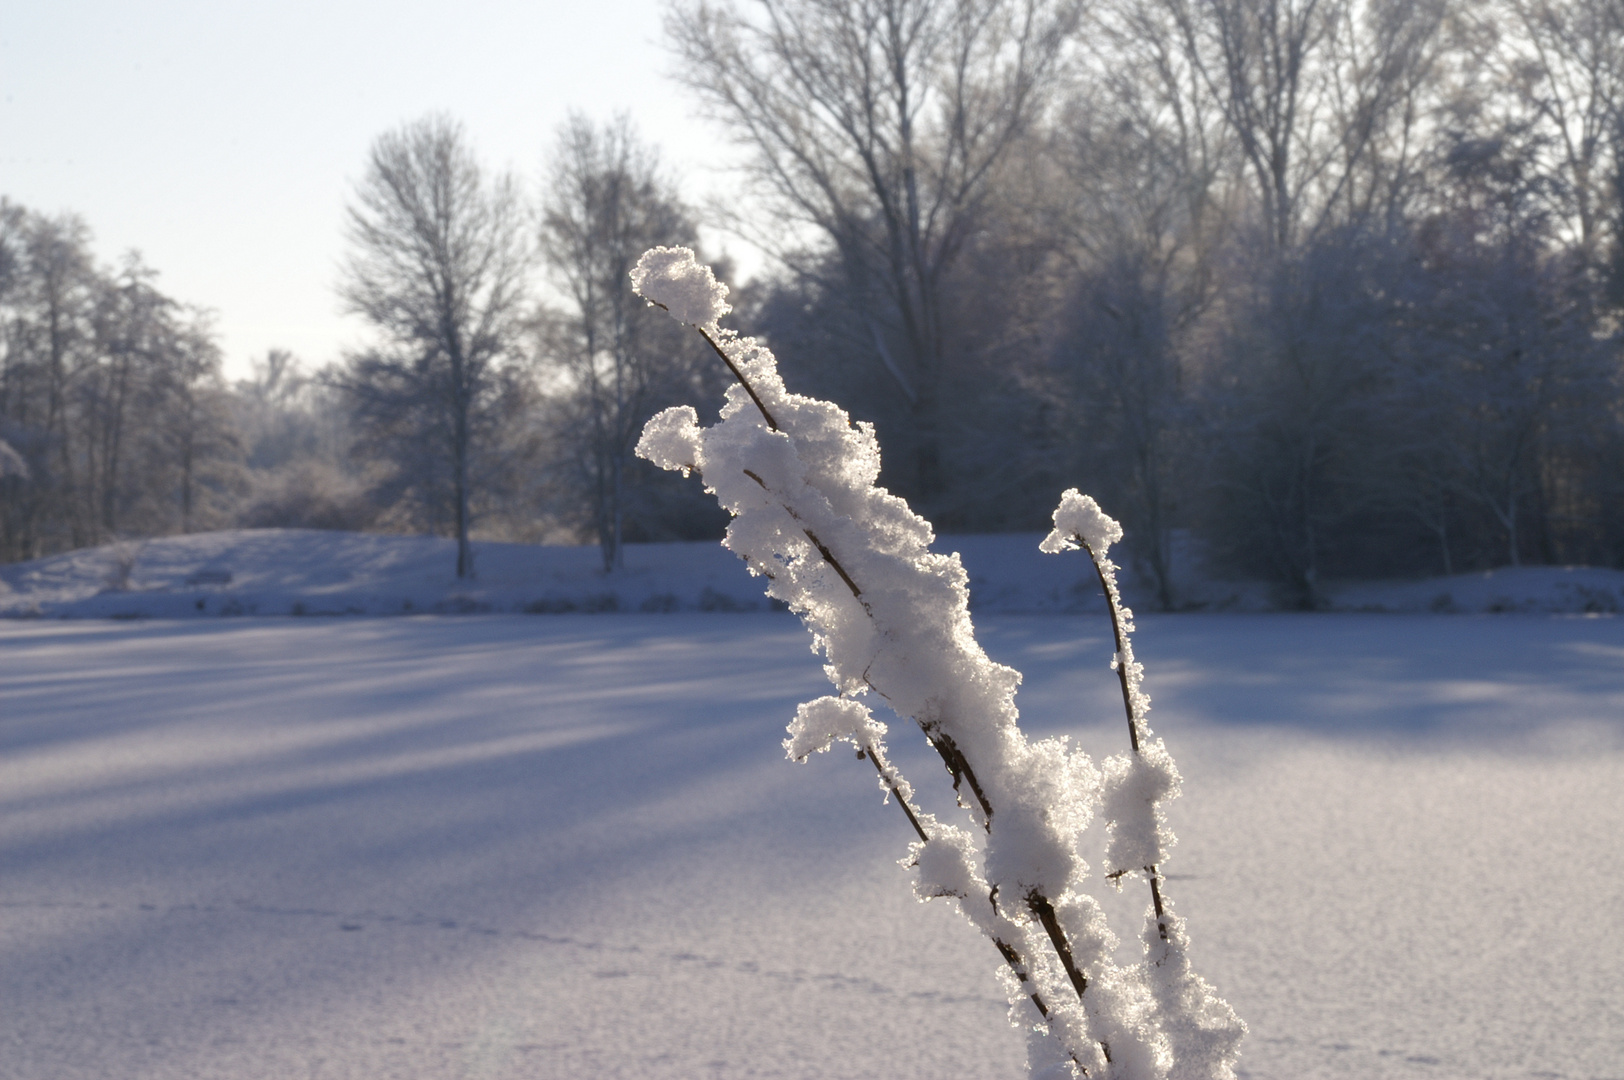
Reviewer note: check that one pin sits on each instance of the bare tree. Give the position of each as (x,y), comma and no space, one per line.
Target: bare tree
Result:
(1324,97)
(437,266)
(605,204)
(51,341)
(1563,61)
(879,125)
(1141,196)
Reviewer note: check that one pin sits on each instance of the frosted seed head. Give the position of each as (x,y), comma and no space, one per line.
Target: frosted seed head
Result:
(678,282)
(1079,515)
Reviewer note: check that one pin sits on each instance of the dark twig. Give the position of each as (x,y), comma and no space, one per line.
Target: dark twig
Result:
(1011,955)
(958,767)
(1127,706)
(828,556)
(1121,642)
(890,785)
(1057,936)
(728,360)
(739,375)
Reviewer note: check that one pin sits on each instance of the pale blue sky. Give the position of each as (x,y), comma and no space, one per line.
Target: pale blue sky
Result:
(223,139)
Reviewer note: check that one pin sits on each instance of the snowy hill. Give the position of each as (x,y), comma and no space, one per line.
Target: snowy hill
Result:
(309,572)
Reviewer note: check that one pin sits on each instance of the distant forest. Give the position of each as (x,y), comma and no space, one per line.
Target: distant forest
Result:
(1333,288)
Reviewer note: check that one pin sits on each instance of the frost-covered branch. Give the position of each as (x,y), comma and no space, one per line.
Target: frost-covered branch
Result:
(892,617)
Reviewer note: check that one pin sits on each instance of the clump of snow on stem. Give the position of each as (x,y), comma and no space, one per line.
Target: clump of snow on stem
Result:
(675,280)
(1204,1033)
(891,618)
(1079,515)
(671,440)
(819,723)
(1136,788)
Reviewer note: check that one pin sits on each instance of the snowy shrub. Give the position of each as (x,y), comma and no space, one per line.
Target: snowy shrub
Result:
(891,619)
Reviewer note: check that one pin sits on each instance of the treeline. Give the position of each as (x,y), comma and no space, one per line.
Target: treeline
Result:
(1326,288)
(1332,286)
(510,373)
(110,400)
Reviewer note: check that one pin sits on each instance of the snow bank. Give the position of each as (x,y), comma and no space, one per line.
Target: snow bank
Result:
(312,572)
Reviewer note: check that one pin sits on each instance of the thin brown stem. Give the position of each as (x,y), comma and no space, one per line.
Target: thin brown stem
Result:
(823,550)
(879,766)
(1011,955)
(739,375)
(958,767)
(728,360)
(1044,910)
(1057,936)
(1121,642)
(1121,637)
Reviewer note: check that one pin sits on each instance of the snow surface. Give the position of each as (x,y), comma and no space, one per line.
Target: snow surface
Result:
(571,848)
(310,572)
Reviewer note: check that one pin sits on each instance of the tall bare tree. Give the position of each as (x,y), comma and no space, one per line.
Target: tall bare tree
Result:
(437,266)
(1324,97)
(606,203)
(1563,60)
(110,394)
(879,125)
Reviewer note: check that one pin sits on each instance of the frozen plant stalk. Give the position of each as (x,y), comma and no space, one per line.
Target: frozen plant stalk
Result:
(1202,1029)
(891,619)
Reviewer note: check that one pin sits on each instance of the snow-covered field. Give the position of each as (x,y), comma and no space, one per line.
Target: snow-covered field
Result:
(569,848)
(309,572)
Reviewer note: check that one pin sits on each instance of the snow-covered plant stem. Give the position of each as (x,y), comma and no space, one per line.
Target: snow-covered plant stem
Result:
(1129,671)
(1203,1031)
(891,618)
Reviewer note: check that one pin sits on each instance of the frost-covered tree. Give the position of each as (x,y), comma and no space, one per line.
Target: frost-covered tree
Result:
(110,392)
(879,127)
(604,203)
(437,267)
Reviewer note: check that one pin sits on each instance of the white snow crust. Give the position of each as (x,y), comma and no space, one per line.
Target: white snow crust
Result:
(302,571)
(555,849)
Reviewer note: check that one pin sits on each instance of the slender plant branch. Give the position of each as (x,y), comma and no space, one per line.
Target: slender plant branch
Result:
(872,752)
(728,360)
(739,375)
(1134,719)
(1011,955)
